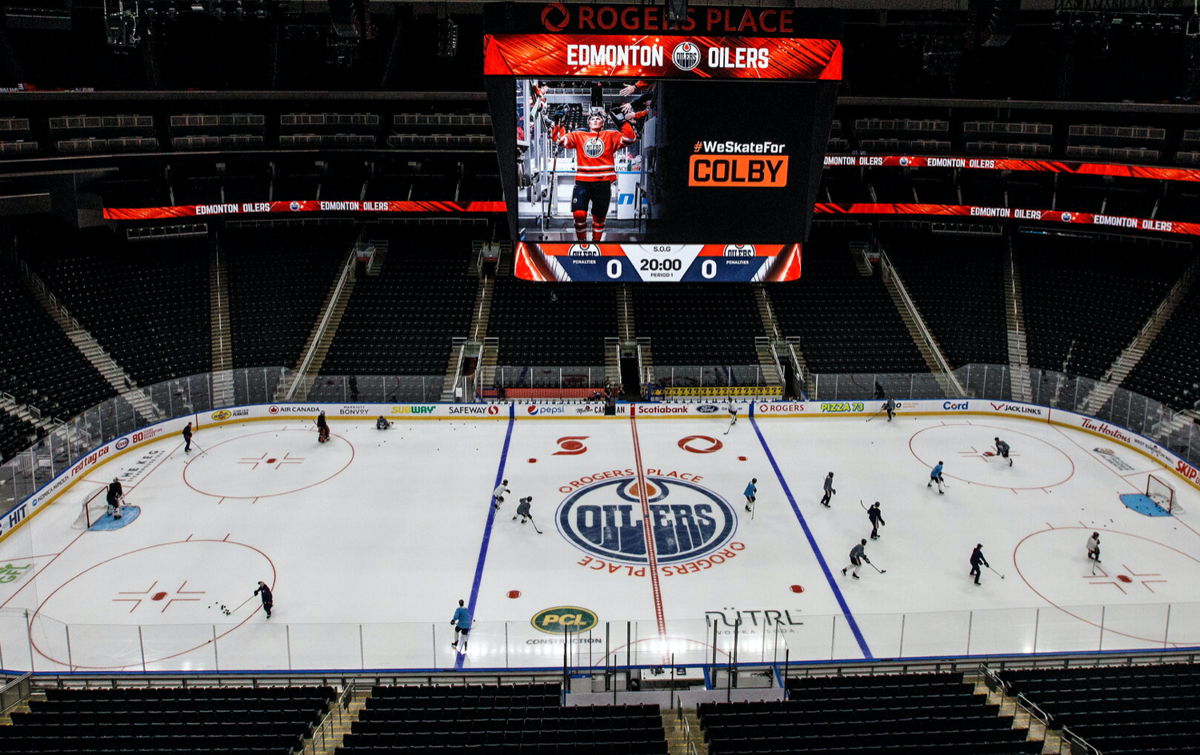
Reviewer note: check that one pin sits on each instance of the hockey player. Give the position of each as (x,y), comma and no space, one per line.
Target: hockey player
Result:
(750,493)
(1093,547)
(829,491)
(523,509)
(733,410)
(187,438)
(890,408)
(268,600)
(977,559)
(858,556)
(876,517)
(499,493)
(322,428)
(935,475)
(595,171)
(462,626)
(382,423)
(114,497)
(1002,450)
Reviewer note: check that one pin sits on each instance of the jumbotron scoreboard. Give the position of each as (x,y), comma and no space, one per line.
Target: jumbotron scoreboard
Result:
(633,149)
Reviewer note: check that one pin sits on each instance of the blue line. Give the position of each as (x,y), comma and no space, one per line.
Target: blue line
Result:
(862,643)
(487,530)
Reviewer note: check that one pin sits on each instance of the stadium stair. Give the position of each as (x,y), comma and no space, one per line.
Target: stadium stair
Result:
(1129,358)
(766,347)
(322,333)
(927,346)
(222,345)
(1014,312)
(329,736)
(1010,706)
(86,343)
(684,736)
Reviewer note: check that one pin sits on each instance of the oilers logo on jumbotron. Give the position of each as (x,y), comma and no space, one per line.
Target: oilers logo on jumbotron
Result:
(685,56)
(688,522)
(739,250)
(583,250)
(593,147)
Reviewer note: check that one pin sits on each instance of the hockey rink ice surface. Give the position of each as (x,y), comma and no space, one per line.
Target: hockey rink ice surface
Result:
(370,540)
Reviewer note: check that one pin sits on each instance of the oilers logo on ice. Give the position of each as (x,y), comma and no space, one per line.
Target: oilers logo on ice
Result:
(593,147)
(688,521)
(583,250)
(739,250)
(685,56)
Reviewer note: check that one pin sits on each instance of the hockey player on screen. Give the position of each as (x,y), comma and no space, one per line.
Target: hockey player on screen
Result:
(595,169)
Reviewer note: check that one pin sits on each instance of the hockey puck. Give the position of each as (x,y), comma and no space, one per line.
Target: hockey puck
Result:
(514,594)
(797,588)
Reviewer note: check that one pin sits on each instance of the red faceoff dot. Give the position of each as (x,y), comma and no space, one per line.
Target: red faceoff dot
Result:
(514,594)
(270,461)
(533,461)
(797,588)
(1123,578)
(158,596)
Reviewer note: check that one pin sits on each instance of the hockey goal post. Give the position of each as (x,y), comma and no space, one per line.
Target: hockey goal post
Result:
(1163,494)
(93,507)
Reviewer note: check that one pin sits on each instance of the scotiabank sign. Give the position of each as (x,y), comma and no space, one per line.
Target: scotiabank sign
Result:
(674,56)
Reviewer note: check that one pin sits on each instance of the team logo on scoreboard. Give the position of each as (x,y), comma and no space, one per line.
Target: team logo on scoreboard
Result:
(739,250)
(593,147)
(604,519)
(584,250)
(294,206)
(685,56)
(1066,217)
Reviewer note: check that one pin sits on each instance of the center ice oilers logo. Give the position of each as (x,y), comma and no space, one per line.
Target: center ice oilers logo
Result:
(685,56)
(605,520)
(583,250)
(739,250)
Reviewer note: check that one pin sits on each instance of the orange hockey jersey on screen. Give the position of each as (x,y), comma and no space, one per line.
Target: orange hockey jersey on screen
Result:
(595,152)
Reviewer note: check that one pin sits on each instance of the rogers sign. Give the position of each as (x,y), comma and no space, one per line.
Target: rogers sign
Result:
(557,17)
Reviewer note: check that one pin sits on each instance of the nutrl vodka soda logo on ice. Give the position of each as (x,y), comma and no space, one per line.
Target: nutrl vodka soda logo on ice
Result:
(691,526)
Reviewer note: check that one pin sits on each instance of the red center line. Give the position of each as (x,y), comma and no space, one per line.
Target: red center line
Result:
(647,529)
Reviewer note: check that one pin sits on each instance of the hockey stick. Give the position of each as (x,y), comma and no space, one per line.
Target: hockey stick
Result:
(535,529)
(876,568)
(995,572)
(197,446)
(876,414)
(864,506)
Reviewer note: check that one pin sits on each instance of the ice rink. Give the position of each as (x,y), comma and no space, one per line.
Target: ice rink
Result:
(369,542)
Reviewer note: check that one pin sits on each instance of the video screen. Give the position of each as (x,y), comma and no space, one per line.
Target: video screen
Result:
(643,161)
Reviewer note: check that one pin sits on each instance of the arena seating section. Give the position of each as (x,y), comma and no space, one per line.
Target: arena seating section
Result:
(1079,316)
(536,329)
(847,322)
(401,321)
(278,280)
(698,323)
(866,715)
(147,303)
(39,365)
(228,720)
(1170,369)
(15,435)
(499,719)
(1131,709)
(957,284)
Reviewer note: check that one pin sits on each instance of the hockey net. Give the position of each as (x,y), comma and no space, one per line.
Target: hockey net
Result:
(94,507)
(1162,494)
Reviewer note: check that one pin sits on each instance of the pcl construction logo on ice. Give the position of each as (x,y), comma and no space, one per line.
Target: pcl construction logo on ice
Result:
(564,620)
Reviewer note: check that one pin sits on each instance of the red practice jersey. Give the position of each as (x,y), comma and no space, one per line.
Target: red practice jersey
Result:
(595,152)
